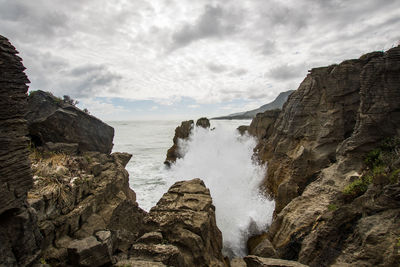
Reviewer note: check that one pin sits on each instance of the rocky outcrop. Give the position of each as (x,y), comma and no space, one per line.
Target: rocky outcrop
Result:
(20,238)
(88,216)
(75,197)
(183,228)
(182,132)
(316,152)
(262,125)
(51,120)
(203,122)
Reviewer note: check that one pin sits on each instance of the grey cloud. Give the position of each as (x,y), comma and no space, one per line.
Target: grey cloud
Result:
(268,47)
(32,19)
(214,22)
(217,68)
(230,70)
(239,72)
(286,72)
(88,79)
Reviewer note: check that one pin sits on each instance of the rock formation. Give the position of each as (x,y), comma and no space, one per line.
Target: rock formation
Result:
(182,132)
(20,239)
(183,228)
(316,149)
(51,120)
(75,197)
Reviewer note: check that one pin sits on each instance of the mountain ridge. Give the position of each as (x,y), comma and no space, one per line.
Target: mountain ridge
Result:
(277,103)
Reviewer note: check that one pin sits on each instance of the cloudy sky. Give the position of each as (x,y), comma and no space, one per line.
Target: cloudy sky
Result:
(177,59)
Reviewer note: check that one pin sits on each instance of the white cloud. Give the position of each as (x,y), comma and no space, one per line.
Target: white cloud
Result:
(211,51)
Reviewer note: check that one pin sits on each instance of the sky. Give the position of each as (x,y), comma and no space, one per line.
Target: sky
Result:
(181,59)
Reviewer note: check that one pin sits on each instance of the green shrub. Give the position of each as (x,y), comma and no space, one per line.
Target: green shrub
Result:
(374,158)
(332,207)
(359,186)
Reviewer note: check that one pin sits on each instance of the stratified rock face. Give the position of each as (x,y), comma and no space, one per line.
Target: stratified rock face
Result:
(75,197)
(319,115)
(52,120)
(316,149)
(186,233)
(19,237)
(182,133)
(262,125)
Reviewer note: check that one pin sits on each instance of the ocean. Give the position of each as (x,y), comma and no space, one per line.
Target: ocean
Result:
(220,157)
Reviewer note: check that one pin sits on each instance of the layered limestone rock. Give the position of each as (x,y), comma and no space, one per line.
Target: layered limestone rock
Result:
(262,125)
(77,196)
(183,228)
(182,132)
(19,236)
(51,120)
(317,149)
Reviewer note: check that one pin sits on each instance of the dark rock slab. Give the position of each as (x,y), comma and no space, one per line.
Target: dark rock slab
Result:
(52,120)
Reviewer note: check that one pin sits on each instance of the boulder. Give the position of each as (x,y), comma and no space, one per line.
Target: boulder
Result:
(203,122)
(184,228)
(254,261)
(20,238)
(90,251)
(52,120)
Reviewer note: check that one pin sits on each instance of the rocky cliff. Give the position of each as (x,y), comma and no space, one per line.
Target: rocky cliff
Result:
(20,239)
(59,125)
(332,165)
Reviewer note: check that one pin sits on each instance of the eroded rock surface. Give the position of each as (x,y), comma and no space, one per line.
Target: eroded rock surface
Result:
(75,197)
(52,120)
(20,239)
(186,233)
(317,148)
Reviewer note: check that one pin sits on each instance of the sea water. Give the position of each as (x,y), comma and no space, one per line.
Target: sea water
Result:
(221,157)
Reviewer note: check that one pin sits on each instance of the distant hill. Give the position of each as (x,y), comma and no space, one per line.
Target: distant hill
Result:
(276,104)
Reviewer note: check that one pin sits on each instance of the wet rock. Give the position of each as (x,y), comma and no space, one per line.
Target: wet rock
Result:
(52,120)
(243,129)
(181,132)
(203,122)
(254,261)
